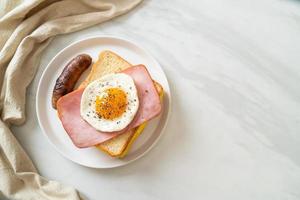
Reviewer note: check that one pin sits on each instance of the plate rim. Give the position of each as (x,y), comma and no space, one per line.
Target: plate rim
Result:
(37,104)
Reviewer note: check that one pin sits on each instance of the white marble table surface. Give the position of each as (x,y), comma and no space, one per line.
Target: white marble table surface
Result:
(234,132)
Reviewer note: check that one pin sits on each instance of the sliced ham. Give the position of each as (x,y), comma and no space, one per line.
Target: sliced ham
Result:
(84,135)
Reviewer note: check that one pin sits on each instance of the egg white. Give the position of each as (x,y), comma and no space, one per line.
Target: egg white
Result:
(97,88)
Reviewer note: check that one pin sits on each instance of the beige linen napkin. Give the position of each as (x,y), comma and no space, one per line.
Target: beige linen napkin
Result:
(26,28)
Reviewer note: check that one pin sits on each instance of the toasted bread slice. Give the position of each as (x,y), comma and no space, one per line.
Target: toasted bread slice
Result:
(109,62)
(115,146)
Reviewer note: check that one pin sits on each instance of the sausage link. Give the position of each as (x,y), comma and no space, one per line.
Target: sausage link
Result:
(66,81)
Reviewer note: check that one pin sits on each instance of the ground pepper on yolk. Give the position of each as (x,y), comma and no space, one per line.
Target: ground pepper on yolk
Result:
(112,104)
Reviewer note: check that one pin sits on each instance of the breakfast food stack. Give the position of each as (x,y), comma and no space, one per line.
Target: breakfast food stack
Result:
(112,105)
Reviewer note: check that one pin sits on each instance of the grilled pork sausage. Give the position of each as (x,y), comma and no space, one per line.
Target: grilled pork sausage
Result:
(66,81)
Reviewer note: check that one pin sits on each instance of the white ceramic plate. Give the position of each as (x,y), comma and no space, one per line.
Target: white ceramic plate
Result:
(51,125)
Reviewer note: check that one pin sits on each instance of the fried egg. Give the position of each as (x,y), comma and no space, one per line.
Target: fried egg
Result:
(110,103)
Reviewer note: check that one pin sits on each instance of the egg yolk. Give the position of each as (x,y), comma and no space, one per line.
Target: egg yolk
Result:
(112,104)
